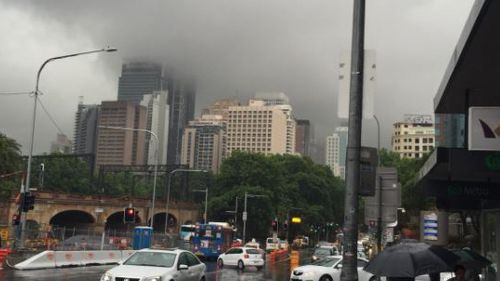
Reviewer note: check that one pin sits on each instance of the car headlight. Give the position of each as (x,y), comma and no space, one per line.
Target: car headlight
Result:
(106,277)
(308,275)
(153,278)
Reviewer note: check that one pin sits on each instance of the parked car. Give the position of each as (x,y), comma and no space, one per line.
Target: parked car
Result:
(157,265)
(328,269)
(323,252)
(241,257)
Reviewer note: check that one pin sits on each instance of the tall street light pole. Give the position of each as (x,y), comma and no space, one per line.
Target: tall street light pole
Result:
(245,214)
(168,189)
(349,266)
(205,214)
(33,124)
(157,160)
(379,181)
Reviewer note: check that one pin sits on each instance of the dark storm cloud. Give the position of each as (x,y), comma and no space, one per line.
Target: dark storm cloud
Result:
(235,48)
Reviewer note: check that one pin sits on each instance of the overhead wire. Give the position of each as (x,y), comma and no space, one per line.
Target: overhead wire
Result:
(50,116)
(15,93)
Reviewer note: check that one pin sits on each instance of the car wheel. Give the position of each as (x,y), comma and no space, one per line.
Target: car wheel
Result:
(220,264)
(202,278)
(374,278)
(325,278)
(241,265)
(259,267)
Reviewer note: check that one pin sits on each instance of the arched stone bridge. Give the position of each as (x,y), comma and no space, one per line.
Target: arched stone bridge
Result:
(104,211)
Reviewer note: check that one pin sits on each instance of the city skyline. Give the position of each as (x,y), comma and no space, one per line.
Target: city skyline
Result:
(303,62)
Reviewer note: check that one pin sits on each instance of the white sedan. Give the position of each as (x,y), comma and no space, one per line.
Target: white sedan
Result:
(241,257)
(158,265)
(328,269)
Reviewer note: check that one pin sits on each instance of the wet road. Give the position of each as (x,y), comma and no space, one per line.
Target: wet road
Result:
(278,270)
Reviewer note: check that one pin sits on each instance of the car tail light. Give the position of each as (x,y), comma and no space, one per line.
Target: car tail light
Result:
(246,256)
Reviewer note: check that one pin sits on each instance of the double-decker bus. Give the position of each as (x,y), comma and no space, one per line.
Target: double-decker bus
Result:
(212,239)
(186,232)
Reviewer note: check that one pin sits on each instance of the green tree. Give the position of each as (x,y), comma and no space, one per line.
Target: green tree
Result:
(11,165)
(288,181)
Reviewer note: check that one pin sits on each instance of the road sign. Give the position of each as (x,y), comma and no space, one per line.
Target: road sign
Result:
(387,181)
(4,233)
(245,216)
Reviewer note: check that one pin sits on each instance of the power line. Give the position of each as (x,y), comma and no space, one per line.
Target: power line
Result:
(15,93)
(50,116)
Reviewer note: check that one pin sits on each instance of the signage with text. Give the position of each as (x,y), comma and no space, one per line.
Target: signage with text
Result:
(484,128)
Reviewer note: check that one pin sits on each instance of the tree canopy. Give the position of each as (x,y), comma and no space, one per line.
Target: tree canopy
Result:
(11,165)
(287,182)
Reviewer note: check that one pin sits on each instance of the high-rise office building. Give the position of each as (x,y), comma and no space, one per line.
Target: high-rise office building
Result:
(61,145)
(121,147)
(203,143)
(272,98)
(303,137)
(220,107)
(139,79)
(257,128)
(414,136)
(143,78)
(85,134)
(181,98)
(336,151)
(157,116)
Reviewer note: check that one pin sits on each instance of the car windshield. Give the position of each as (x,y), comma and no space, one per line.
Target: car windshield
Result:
(326,262)
(151,259)
(322,252)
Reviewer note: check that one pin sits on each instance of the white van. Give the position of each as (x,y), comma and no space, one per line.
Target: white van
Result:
(272,244)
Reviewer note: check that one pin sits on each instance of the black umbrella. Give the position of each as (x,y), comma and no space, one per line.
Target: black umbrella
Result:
(410,259)
(471,259)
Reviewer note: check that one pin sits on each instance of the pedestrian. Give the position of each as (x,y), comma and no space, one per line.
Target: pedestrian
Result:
(459,273)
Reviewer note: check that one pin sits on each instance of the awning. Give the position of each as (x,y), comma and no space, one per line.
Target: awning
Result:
(462,179)
(472,75)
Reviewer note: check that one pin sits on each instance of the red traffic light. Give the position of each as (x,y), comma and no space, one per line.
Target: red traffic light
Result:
(129,215)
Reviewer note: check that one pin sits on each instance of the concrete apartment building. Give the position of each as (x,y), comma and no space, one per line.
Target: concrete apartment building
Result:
(85,134)
(120,147)
(257,128)
(414,136)
(281,101)
(336,151)
(157,117)
(203,143)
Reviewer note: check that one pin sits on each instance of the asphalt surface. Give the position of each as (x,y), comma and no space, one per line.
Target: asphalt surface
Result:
(278,270)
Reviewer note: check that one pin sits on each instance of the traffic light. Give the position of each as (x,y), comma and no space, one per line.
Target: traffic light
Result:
(15,219)
(285,226)
(274,224)
(28,202)
(129,215)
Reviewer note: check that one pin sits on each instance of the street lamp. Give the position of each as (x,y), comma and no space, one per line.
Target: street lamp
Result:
(157,142)
(205,215)
(245,215)
(168,189)
(33,124)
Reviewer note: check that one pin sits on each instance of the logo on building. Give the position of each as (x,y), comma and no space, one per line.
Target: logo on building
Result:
(488,131)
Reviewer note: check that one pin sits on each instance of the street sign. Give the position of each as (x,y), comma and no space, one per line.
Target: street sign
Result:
(368,170)
(4,233)
(245,214)
(387,181)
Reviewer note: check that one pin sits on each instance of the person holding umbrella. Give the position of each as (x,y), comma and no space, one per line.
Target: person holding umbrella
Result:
(459,273)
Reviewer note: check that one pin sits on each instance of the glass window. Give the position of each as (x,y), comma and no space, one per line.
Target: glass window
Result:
(361,263)
(183,259)
(192,259)
(151,259)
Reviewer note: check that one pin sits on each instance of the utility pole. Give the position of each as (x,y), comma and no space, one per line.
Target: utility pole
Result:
(349,266)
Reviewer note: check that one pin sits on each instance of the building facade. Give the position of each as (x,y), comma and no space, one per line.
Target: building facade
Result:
(138,79)
(336,151)
(62,144)
(303,137)
(203,143)
(413,137)
(257,128)
(85,134)
(157,117)
(121,147)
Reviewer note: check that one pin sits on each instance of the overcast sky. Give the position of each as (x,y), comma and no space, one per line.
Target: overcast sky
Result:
(232,47)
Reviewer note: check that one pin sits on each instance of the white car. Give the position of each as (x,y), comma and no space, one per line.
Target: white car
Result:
(158,265)
(328,269)
(241,257)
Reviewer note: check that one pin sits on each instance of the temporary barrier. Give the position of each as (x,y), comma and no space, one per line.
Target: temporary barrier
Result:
(3,253)
(51,259)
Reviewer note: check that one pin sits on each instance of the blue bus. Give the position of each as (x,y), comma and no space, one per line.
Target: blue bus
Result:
(212,239)
(186,232)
